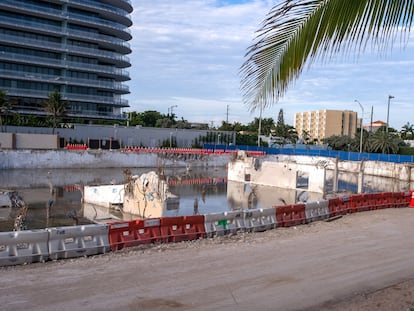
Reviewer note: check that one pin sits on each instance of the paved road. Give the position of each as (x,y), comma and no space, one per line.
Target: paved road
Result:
(299,268)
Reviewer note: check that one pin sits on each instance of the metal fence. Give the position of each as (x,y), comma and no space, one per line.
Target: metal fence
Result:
(342,155)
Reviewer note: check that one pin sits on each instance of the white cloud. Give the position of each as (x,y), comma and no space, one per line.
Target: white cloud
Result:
(188,53)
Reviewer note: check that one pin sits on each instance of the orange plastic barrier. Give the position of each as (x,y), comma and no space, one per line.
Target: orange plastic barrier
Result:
(368,202)
(401,199)
(76,146)
(194,227)
(384,199)
(182,228)
(339,205)
(133,233)
(290,215)
(358,203)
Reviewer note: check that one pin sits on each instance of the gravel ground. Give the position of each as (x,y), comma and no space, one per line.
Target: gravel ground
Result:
(361,261)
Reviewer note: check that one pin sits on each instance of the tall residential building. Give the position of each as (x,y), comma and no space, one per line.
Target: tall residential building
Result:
(76,47)
(321,124)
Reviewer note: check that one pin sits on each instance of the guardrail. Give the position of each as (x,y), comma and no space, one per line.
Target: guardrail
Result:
(31,246)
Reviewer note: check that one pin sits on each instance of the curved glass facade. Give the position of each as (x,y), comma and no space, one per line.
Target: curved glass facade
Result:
(76,47)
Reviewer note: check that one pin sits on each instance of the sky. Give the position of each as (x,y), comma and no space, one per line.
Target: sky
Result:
(187,55)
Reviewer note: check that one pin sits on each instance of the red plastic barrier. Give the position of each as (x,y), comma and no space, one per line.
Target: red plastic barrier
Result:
(368,202)
(357,203)
(182,228)
(146,230)
(401,199)
(118,234)
(384,199)
(194,227)
(339,206)
(76,146)
(406,199)
(290,215)
(133,233)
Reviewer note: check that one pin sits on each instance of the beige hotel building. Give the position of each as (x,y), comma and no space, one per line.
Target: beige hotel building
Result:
(321,124)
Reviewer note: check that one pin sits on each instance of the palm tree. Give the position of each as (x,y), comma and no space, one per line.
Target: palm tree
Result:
(296,32)
(407,131)
(55,106)
(382,142)
(5,106)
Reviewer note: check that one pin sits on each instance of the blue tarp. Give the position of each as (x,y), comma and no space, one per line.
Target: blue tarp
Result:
(342,155)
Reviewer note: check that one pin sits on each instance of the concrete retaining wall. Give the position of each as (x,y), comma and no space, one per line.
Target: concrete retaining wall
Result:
(127,135)
(32,159)
(28,141)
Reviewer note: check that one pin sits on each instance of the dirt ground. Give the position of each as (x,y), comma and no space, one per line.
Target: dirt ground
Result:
(361,261)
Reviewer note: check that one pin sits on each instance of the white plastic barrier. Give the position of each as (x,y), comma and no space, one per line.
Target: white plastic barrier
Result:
(316,210)
(260,219)
(78,241)
(21,247)
(218,224)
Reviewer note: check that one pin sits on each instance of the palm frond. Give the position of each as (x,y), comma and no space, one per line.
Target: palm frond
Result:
(296,32)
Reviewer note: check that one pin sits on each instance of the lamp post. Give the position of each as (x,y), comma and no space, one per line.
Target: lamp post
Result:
(388,110)
(362,130)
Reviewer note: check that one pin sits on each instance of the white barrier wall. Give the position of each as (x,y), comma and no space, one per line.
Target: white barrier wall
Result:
(106,195)
(22,247)
(78,241)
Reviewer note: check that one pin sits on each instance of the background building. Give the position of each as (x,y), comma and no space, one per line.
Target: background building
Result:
(375,125)
(76,47)
(320,124)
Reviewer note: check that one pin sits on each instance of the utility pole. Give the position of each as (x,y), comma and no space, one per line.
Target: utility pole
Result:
(227,115)
(388,111)
(372,114)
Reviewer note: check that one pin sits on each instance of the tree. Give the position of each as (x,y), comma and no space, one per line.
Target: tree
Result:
(296,32)
(5,106)
(382,142)
(55,106)
(267,124)
(280,118)
(407,131)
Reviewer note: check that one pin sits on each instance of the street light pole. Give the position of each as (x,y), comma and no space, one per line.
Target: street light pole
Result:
(388,111)
(362,129)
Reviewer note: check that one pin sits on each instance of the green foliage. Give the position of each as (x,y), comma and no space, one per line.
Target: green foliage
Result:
(170,142)
(55,106)
(407,131)
(5,106)
(382,142)
(148,118)
(404,150)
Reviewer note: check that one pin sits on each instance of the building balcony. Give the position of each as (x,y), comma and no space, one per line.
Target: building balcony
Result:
(105,41)
(110,71)
(117,29)
(112,12)
(116,87)
(33,93)
(118,59)
(83,114)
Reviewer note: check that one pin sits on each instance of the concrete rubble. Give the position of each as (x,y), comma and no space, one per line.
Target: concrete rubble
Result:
(145,196)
